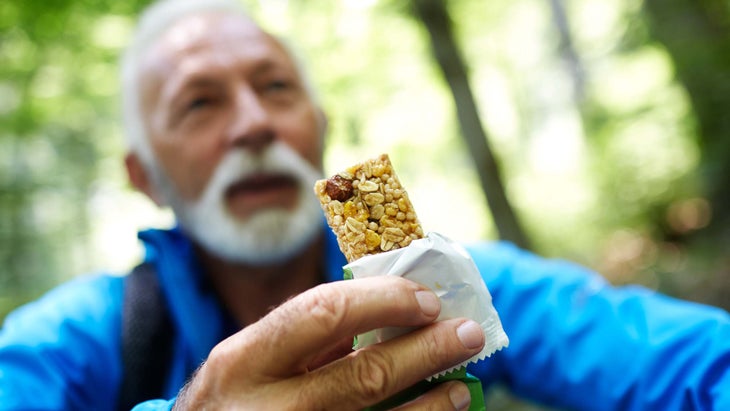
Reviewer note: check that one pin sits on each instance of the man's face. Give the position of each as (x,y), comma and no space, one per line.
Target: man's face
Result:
(236,137)
(215,83)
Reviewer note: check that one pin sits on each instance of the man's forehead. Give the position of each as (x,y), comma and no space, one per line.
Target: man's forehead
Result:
(196,30)
(210,31)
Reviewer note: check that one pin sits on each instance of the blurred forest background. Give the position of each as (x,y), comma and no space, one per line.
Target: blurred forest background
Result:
(598,129)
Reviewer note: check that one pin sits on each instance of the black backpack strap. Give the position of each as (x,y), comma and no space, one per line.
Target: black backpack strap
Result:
(147,336)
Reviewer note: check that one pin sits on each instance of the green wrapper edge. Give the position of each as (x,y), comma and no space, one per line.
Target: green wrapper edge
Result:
(473,383)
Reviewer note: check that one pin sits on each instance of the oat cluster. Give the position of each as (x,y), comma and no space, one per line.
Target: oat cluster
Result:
(368,209)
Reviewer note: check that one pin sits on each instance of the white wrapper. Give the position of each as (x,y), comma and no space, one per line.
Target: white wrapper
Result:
(446,268)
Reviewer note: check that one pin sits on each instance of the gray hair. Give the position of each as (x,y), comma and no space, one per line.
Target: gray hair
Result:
(153,23)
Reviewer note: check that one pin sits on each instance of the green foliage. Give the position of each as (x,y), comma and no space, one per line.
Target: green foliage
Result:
(608,176)
(605,175)
(58,92)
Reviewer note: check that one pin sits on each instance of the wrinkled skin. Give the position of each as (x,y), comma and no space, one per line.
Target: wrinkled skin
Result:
(250,370)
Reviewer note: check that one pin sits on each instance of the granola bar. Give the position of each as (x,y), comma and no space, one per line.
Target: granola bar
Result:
(368,209)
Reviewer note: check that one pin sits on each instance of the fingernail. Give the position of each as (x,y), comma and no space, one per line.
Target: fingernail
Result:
(459,396)
(430,304)
(470,334)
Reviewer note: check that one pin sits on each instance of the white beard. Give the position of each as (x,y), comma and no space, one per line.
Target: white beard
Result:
(269,235)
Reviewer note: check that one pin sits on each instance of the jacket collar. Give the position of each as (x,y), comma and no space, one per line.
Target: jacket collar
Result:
(196,312)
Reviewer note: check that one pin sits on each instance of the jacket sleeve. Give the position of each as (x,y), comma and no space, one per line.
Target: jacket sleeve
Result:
(155,405)
(580,343)
(62,351)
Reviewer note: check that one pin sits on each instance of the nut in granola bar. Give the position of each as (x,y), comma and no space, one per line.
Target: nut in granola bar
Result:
(368,209)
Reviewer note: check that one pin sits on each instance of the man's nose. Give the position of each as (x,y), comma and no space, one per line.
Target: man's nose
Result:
(251,126)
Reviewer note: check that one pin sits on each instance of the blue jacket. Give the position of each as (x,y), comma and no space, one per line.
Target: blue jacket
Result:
(575,341)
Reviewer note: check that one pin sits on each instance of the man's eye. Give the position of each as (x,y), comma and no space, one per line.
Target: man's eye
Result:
(198,103)
(278,85)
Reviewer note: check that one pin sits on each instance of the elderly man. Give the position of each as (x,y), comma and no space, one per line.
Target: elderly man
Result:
(223,128)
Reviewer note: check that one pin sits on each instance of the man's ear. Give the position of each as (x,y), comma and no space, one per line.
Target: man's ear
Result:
(137,174)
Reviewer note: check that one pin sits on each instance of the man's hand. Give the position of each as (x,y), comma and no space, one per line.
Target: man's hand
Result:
(284,361)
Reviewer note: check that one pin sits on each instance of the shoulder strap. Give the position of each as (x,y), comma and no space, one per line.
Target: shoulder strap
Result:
(147,336)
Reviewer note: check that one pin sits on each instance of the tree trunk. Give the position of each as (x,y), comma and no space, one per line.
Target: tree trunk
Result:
(567,51)
(696,34)
(435,18)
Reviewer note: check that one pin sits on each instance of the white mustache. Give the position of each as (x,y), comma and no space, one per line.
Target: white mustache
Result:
(241,164)
(268,235)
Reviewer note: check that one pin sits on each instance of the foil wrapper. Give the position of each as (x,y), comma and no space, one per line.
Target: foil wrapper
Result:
(445,267)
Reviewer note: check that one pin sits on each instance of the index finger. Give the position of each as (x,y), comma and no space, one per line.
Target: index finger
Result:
(283,342)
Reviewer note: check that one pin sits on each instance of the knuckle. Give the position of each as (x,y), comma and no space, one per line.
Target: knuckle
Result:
(219,357)
(373,374)
(326,307)
(432,348)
